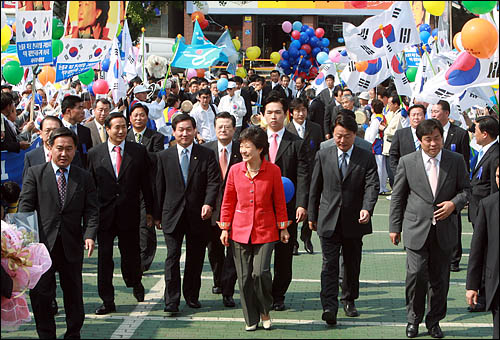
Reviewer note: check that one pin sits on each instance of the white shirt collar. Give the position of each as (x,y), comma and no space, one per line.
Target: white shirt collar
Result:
(111,146)
(55,167)
(485,148)
(426,157)
(180,149)
(349,152)
(139,132)
(446,127)
(45,152)
(228,147)
(280,133)
(99,126)
(414,133)
(297,125)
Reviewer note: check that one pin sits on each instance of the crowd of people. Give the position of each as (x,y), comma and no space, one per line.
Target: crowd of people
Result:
(206,166)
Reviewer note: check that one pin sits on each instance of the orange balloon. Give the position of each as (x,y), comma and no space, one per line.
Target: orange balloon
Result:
(200,73)
(457,42)
(361,66)
(197,16)
(48,74)
(480,38)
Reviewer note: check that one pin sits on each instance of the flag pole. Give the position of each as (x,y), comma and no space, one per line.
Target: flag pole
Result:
(33,93)
(144,80)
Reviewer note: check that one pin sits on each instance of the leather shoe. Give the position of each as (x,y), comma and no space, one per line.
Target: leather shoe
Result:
(479,307)
(105,309)
(216,290)
(295,250)
(308,246)
(228,301)
(279,306)
(330,317)
(193,303)
(454,267)
(350,309)
(411,330)
(54,307)
(435,332)
(171,309)
(139,292)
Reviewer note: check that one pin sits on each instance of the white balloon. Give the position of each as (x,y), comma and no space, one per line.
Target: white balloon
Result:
(4,19)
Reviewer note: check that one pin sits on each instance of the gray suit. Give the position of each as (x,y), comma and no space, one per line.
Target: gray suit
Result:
(428,247)
(359,142)
(94,133)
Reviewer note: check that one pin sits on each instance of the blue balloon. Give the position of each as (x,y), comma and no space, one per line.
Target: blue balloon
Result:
(315,51)
(434,32)
(325,49)
(222,84)
(285,64)
(425,27)
(294,53)
(340,40)
(289,188)
(325,42)
(313,41)
(163,92)
(307,64)
(296,44)
(105,65)
(302,53)
(90,89)
(322,57)
(287,71)
(424,36)
(285,55)
(310,32)
(292,61)
(297,26)
(304,28)
(304,38)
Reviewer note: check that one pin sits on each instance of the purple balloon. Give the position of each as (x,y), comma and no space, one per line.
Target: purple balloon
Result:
(286,26)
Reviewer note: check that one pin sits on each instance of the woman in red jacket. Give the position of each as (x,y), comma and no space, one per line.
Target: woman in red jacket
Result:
(254,217)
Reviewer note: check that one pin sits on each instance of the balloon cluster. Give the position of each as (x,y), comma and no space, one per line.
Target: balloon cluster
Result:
(308,49)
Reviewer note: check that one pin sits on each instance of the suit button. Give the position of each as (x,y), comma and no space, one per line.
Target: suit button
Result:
(251,191)
(251,182)
(251,201)
(117,195)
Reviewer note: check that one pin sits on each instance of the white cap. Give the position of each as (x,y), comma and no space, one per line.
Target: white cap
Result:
(140,88)
(364,95)
(231,85)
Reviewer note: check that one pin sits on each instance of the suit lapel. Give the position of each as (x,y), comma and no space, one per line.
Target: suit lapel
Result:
(352,162)
(50,179)
(411,142)
(193,162)
(420,168)
(492,149)
(106,160)
(146,138)
(291,127)
(444,168)
(285,143)
(39,155)
(449,137)
(71,186)
(127,158)
(335,160)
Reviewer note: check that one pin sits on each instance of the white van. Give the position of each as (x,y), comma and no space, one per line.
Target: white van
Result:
(161,47)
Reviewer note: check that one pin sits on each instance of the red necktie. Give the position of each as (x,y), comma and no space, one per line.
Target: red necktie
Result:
(118,159)
(273,149)
(223,162)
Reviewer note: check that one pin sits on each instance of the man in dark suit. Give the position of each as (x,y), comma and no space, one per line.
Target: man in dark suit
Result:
(258,93)
(153,142)
(343,193)
(300,87)
(187,183)
(63,196)
(331,111)
(327,95)
(484,257)
(9,130)
(358,141)
(285,81)
(215,93)
(227,153)
(286,151)
(405,140)
(102,108)
(430,189)
(483,177)
(315,110)
(118,168)
(274,84)
(73,115)
(312,137)
(456,139)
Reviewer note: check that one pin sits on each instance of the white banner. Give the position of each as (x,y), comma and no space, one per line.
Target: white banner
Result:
(376,72)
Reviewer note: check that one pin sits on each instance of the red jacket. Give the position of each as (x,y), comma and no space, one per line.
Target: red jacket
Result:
(254,208)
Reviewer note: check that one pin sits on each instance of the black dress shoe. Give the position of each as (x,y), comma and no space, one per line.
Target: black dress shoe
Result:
(193,303)
(216,290)
(139,292)
(454,267)
(436,332)
(479,307)
(105,309)
(350,309)
(53,306)
(295,250)
(228,301)
(171,309)
(308,246)
(330,317)
(411,330)
(279,306)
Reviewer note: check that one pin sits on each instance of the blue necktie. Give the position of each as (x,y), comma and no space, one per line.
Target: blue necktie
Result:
(185,165)
(343,165)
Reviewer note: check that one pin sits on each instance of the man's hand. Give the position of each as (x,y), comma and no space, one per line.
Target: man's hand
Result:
(89,245)
(284,236)
(206,212)
(313,225)
(446,208)
(29,126)
(24,144)
(395,238)
(149,220)
(300,214)
(224,238)
(471,297)
(364,217)
(158,224)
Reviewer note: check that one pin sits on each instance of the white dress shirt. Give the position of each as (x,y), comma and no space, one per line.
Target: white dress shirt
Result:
(427,163)
(446,128)
(46,153)
(301,129)
(112,154)
(416,142)
(180,149)
(69,126)
(483,150)
(66,173)
(229,149)
(205,122)
(278,139)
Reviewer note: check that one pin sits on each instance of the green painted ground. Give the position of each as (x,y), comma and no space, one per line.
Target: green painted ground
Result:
(381,303)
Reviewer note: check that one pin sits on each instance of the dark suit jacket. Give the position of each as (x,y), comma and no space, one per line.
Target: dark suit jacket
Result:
(333,200)
(457,140)
(10,142)
(294,164)
(312,140)
(174,197)
(331,112)
(324,96)
(94,133)
(40,193)
(37,156)
(235,158)
(254,96)
(413,205)
(278,89)
(119,198)
(358,141)
(316,113)
(152,140)
(245,94)
(483,180)
(302,95)
(84,142)
(402,144)
(484,249)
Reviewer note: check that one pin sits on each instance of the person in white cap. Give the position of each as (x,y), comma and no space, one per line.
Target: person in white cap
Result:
(233,103)
(155,107)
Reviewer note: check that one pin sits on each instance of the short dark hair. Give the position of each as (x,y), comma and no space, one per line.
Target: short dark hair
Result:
(382,91)
(69,102)
(489,125)
(202,80)
(346,121)
(194,82)
(275,71)
(52,118)
(416,106)
(347,112)
(86,97)
(260,80)
(295,103)
(6,100)
(75,83)
(10,192)
(181,118)
(172,99)
(225,115)
(140,105)
(345,90)
(427,127)
(445,106)
(395,98)
(205,91)
(377,106)
(284,76)
(104,101)
(330,76)
(62,132)
(276,99)
(238,80)
(107,121)
(258,137)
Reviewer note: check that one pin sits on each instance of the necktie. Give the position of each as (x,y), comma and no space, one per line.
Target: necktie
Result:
(223,162)
(61,186)
(273,149)
(118,159)
(138,138)
(102,134)
(259,100)
(185,165)
(433,178)
(73,128)
(301,132)
(417,145)
(343,165)
(49,157)
(481,153)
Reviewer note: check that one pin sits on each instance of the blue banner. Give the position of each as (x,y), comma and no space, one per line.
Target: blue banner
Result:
(198,56)
(34,37)
(412,59)
(13,163)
